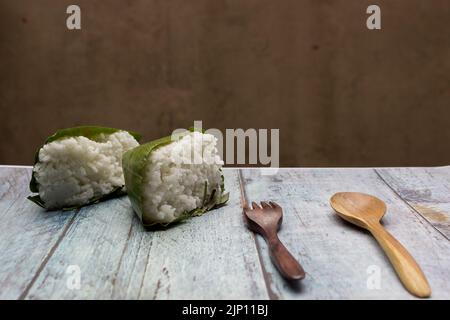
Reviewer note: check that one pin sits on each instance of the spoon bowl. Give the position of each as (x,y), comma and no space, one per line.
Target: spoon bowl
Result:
(358,208)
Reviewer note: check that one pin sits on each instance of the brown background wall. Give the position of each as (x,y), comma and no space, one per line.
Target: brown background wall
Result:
(341,95)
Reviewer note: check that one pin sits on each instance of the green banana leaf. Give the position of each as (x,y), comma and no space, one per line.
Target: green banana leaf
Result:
(134,164)
(91,132)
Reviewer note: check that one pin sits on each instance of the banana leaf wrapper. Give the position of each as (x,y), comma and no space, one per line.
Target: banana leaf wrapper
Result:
(91,132)
(134,164)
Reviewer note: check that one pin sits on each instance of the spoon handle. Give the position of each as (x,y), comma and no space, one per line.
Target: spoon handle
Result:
(404,264)
(288,266)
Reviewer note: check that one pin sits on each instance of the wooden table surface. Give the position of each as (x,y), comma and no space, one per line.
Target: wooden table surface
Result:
(215,256)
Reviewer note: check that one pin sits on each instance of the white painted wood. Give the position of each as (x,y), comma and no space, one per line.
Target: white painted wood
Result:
(13,185)
(94,243)
(215,256)
(336,255)
(3,166)
(212,256)
(427,190)
(27,233)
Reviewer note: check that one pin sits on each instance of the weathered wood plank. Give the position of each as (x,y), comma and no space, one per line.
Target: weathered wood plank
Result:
(94,243)
(28,234)
(214,256)
(206,257)
(427,190)
(13,185)
(336,255)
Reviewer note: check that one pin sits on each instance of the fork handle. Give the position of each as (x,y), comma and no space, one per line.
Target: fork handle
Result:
(283,260)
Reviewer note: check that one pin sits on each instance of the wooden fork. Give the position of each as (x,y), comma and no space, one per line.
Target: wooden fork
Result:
(266,220)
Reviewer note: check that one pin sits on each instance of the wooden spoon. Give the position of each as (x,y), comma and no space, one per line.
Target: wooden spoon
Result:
(366,212)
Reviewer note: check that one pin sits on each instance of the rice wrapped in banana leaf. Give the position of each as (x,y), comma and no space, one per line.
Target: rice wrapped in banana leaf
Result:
(79,166)
(174,178)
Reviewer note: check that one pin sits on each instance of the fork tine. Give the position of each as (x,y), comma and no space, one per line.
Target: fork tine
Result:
(274,204)
(265,205)
(255,205)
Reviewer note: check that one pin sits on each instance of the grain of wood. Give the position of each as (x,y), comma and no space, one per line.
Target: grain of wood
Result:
(13,185)
(93,244)
(337,257)
(28,234)
(211,256)
(427,190)
(215,256)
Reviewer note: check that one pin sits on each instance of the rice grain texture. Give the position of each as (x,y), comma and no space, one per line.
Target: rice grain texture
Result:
(74,170)
(171,179)
(177,174)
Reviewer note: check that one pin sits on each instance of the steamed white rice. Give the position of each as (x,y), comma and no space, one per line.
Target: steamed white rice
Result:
(72,171)
(176,174)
